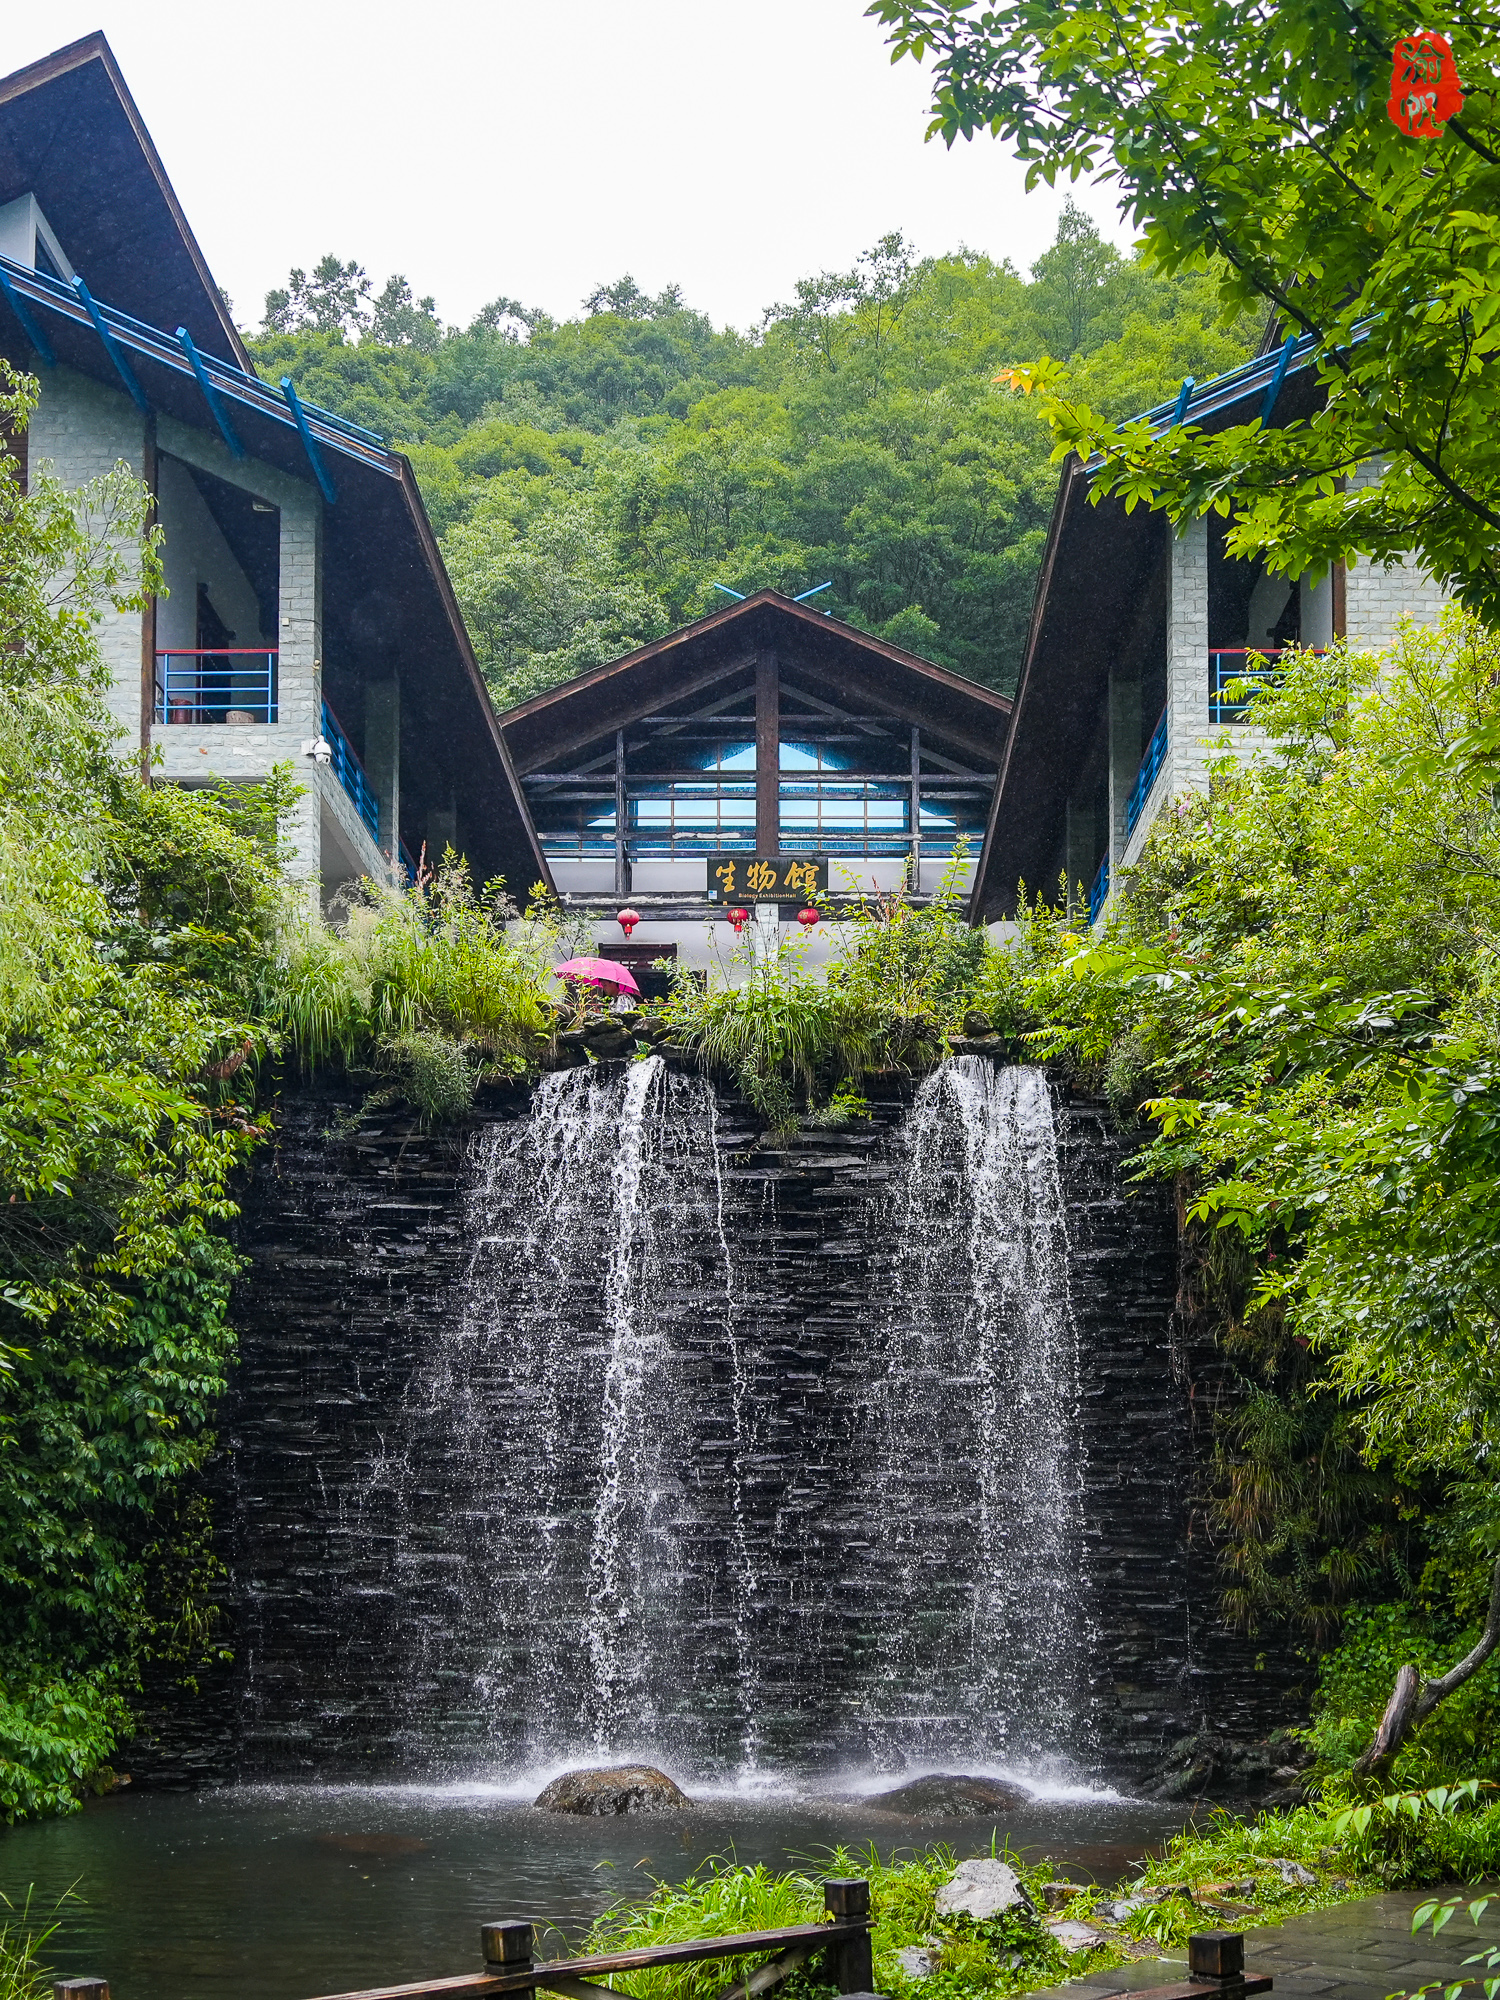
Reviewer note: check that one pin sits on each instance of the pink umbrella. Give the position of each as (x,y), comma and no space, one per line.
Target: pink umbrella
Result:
(598,972)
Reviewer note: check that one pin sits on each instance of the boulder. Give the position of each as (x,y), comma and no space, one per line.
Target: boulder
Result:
(626,1788)
(981,1889)
(1295,1875)
(950,1797)
(916,1963)
(1075,1936)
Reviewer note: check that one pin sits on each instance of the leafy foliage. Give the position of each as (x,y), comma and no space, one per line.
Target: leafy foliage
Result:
(1007,1955)
(1355,1680)
(134,926)
(592,480)
(435,960)
(898,986)
(1257,138)
(1304,971)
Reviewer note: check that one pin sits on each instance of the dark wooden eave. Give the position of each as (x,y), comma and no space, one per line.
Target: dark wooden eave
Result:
(1096,564)
(845,666)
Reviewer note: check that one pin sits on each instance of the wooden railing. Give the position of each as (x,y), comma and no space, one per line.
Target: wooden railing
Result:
(510,1966)
(1216,1962)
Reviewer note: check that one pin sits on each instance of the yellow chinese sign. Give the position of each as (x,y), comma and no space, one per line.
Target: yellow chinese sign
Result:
(766,878)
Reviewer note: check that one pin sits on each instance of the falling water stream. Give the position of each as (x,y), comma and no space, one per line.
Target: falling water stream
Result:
(975,1474)
(630,1516)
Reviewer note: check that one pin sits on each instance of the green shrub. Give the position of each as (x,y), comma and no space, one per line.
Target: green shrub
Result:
(54,1739)
(1011,1954)
(433,1072)
(1449,1833)
(436,960)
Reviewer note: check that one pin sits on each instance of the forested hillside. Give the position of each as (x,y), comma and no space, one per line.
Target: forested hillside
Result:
(592,479)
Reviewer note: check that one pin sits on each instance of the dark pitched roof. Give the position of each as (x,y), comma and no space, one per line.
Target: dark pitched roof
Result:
(1098,560)
(848,664)
(71,135)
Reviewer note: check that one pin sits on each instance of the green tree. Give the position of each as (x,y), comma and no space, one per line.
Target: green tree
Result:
(135,926)
(332,300)
(1305,970)
(547,604)
(1258,137)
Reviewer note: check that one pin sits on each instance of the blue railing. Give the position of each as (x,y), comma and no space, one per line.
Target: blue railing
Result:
(151,343)
(403,856)
(1147,775)
(1100,891)
(350,773)
(1232,663)
(215,684)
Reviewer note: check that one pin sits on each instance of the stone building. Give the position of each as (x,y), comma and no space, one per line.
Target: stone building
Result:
(308,619)
(1136,632)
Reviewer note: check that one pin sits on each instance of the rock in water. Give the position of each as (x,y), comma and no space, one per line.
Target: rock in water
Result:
(981,1889)
(627,1788)
(947,1797)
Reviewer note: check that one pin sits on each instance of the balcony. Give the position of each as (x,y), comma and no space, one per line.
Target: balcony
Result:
(1147,775)
(350,773)
(1234,663)
(216,684)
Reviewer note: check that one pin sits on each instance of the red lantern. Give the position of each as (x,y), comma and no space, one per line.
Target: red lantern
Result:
(807,918)
(627,920)
(739,918)
(1425,90)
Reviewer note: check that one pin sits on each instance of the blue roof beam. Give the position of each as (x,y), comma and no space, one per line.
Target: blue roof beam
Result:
(28,325)
(309,443)
(1269,405)
(113,349)
(211,395)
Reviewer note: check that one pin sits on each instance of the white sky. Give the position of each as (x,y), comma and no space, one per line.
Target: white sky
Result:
(500,146)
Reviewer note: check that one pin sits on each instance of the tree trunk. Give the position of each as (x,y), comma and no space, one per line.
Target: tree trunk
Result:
(1413,1699)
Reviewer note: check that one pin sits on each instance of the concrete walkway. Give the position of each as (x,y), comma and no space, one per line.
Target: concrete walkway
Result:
(1358,1951)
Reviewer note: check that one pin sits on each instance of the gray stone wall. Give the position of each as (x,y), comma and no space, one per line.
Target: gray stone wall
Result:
(359,1249)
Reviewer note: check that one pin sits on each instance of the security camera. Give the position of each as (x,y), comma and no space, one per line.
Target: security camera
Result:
(319,749)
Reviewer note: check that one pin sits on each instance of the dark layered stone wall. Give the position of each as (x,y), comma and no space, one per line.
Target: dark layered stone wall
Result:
(359,1248)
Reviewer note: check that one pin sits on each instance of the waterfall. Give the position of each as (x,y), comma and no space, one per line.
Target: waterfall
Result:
(663,1484)
(562,1446)
(974,1472)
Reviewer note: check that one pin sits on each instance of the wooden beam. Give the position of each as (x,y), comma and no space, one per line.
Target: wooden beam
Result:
(815,1936)
(767,754)
(914,881)
(601,716)
(768,1976)
(622,883)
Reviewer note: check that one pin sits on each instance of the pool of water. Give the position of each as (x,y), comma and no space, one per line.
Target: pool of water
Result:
(281,1893)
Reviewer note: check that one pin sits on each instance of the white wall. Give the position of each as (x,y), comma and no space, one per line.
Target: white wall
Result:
(195,552)
(22,223)
(81,429)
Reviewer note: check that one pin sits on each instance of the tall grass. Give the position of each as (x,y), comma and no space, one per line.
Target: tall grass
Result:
(22,1973)
(436,961)
(781,1032)
(1008,1955)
